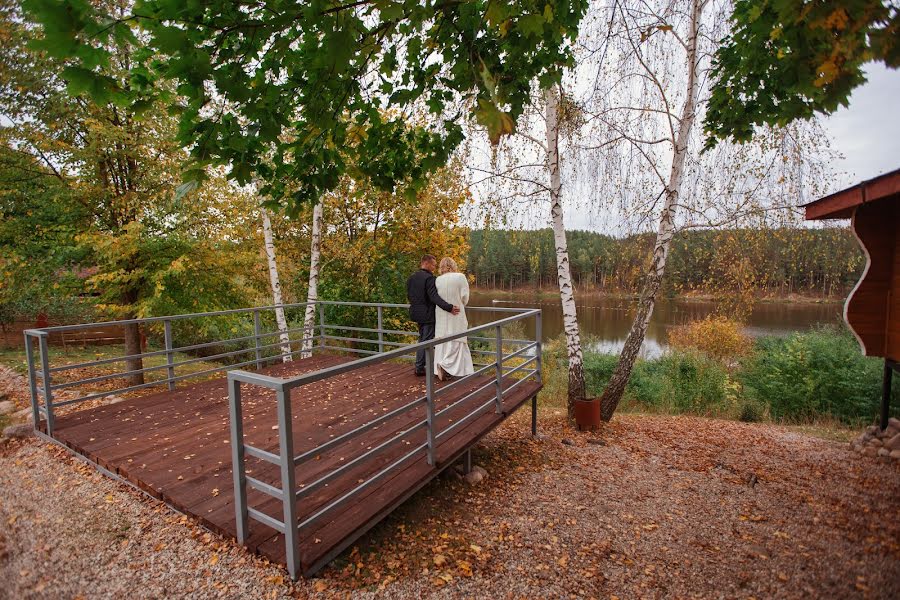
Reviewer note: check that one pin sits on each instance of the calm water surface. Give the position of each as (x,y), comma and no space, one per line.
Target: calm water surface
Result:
(606,321)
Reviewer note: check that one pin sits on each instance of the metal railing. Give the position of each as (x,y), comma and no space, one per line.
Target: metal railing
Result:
(529,368)
(257,346)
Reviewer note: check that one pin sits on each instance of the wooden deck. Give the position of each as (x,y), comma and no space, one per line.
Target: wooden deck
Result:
(175,446)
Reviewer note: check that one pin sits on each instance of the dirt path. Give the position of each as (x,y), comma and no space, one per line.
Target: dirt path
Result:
(656,507)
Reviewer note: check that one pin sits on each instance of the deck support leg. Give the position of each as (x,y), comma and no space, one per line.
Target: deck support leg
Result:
(886,392)
(288,483)
(467,462)
(237,460)
(534,416)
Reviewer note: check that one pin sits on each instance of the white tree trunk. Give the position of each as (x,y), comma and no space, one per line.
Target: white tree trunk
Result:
(309,320)
(276,287)
(576,389)
(666,231)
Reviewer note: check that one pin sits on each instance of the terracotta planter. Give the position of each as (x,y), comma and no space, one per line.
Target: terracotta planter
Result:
(587,414)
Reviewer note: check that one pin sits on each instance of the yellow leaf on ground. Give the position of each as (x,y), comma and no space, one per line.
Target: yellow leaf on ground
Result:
(214,559)
(439,560)
(320,586)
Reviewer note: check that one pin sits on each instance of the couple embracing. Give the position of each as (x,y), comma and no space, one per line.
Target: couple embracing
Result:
(450,293)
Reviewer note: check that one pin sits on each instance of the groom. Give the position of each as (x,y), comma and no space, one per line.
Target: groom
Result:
(423,297)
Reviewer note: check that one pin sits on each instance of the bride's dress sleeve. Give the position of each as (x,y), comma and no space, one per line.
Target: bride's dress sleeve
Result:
(464,292)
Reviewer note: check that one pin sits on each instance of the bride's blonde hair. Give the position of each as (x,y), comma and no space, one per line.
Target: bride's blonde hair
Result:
(448,265)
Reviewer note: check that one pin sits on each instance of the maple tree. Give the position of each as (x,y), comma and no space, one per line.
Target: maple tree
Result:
(113,172)
(293,92)
(789,59)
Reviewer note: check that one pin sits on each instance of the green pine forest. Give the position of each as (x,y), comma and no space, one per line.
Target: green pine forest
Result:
(820,263)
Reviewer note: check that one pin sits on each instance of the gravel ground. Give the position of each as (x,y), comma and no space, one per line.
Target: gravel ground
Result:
(652,507)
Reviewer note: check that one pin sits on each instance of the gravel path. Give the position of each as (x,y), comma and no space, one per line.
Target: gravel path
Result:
(652,507)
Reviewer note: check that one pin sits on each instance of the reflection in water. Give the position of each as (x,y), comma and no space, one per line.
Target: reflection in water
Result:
(605,321)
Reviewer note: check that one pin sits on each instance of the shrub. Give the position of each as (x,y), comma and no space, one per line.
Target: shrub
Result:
(717,337)
(677,382)
(814,374)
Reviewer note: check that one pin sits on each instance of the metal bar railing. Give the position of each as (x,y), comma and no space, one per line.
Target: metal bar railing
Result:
(170,356)
(435,421)
(283,386)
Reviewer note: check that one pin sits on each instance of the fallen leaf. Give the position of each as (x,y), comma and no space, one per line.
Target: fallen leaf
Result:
(320,586)
(439,560)
(214,559)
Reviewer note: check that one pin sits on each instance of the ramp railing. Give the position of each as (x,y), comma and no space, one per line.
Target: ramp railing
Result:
(504,378)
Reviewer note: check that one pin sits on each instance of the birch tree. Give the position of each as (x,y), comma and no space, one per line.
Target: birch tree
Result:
(276,286)
(666,229)
(312,294)
(576,387)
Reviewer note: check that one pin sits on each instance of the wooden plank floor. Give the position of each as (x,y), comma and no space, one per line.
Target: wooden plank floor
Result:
(175,446)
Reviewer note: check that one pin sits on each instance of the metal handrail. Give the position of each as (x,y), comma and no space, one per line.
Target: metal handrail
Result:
(283,387)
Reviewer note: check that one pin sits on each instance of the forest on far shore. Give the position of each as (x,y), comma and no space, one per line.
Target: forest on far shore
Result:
(776,262)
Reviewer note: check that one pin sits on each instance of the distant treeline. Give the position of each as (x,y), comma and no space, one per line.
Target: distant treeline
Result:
(822,262)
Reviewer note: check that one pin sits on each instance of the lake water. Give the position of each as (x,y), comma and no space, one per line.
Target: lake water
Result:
(606,321)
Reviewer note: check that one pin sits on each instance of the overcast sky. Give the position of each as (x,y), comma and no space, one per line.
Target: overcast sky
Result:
(867,133)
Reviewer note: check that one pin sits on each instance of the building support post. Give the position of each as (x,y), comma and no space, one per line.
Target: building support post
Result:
(886,392)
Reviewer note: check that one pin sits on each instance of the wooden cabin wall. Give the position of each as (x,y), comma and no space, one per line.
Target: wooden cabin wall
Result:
(873,308)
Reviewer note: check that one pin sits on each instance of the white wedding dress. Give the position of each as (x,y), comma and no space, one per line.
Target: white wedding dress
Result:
(454,357)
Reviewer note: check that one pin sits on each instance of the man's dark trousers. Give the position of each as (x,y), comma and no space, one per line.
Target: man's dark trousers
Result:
(426,332)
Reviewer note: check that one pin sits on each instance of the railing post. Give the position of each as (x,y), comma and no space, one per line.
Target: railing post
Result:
(32,380)
(380,330)
(538,335)
(499,359)
(257,332)
(170,359)
(288,482)
(429,401)
(322,326)
(237,460)
(45,377)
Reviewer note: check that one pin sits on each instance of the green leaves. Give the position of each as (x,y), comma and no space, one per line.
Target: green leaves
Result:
(788,59)
(286,79)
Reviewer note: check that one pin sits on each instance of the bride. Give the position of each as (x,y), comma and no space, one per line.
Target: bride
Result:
(452,358)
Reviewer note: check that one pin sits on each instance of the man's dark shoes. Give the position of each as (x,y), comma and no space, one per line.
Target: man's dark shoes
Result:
(420,373)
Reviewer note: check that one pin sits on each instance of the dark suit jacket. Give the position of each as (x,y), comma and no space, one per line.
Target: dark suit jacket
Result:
(423,297)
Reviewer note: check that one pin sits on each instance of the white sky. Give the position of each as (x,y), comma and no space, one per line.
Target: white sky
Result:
(867,133)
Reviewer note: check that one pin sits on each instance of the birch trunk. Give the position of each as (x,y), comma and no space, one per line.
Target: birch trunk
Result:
(666,231)
(312,294)
(276,287)
(576,389)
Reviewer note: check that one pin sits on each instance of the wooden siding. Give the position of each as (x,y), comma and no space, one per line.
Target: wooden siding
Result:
(873,308)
